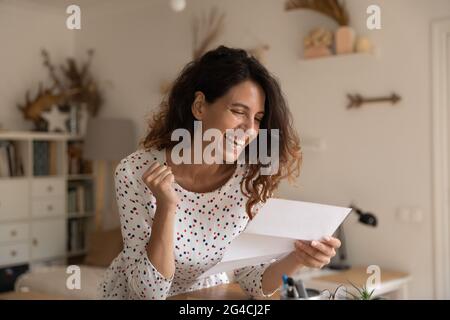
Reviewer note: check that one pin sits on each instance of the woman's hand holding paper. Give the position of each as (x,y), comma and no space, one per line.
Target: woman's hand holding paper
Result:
(316,254)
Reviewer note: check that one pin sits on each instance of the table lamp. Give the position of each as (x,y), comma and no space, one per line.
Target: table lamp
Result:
(339,262)
(107,141)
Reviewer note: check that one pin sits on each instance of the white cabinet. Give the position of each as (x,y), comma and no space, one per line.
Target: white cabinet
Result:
(34,200)
(14,245)
(45,207)
(14,253)
(45,187)
(14,199)
(48,238)
(11,232)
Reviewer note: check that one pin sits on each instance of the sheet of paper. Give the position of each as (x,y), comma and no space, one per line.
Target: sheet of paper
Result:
(297,219)
(251,249)
(271,234)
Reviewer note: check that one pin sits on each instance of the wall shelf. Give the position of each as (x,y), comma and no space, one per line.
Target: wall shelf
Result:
(342,58)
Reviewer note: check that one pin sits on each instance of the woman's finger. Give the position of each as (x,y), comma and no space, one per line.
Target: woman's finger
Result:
(162,175)
(325,249)
(314,253)
(332,242)
(153,166)
(150,169)
(308,260)
(155,173)
(168,178)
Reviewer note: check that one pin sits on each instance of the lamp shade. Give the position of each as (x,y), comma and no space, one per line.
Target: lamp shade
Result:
(109,139)
(366,218)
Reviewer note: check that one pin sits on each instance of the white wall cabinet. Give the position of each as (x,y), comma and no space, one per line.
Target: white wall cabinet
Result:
(34,219)
(48,238)
(14,199)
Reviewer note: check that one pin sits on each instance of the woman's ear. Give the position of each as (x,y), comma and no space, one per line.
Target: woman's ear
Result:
(198,106)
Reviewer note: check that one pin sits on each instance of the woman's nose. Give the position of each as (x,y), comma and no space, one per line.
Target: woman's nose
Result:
(250,124)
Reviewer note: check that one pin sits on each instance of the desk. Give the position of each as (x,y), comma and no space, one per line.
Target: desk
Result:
(231,291)
(13,295)
(393,285)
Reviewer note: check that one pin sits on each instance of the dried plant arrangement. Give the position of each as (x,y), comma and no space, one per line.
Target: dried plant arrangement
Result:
(71,85)
(206,29)
(333,9)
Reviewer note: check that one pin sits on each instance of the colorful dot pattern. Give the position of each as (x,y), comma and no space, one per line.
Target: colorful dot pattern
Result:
(205,225)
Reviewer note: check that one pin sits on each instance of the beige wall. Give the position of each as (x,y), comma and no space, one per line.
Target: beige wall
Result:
(379,156)
(25,28)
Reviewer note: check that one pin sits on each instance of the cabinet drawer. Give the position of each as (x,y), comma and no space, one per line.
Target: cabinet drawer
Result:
(51,206)
(14,199)
(48,238)
(14,253)
(13,232)
(48,187)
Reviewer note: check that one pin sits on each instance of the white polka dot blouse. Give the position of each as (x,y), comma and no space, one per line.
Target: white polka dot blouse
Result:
(205,225)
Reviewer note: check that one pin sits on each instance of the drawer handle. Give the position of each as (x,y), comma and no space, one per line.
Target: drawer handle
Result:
(50,207)
(49,188)
(13,253)
(35,242)
(13,233)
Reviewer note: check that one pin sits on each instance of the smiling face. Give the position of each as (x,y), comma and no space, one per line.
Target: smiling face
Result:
(242,107)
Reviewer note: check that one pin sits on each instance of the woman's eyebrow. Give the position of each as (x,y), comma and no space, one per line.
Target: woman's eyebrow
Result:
(239,104)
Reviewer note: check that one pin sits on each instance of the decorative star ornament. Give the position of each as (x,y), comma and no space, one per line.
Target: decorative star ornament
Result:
(56,119)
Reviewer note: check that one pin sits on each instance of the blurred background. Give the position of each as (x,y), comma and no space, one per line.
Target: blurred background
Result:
(368,95)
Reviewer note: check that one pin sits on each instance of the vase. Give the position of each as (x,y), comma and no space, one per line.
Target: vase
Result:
(363,45)
(344,40)
(83,117)
(73,119)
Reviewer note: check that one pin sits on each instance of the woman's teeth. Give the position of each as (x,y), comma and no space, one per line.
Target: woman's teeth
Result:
(237,142)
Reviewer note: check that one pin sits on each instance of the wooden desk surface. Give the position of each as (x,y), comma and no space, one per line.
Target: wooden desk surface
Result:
(13,295)
(231,291)
(358,276)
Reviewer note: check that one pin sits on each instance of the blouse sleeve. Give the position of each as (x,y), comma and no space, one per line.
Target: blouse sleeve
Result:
(250,277)
(250,280)
(136,219)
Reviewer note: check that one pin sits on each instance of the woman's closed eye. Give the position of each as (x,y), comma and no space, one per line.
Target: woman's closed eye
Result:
(257,119)
(238,112)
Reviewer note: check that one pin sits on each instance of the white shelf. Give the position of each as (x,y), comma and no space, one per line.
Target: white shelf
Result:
(76,253)
(15,178)
(80,177)
(76,215)
(53,176)
(32,135)
(342,57)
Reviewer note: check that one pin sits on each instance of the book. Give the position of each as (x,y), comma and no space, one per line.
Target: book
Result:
(41,158)
(53,162)
(81,202)
(4,169)
(11,154)
(72,200)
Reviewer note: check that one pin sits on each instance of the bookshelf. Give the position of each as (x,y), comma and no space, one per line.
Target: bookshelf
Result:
(46,198)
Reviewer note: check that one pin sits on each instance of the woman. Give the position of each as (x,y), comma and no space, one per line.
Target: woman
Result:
(179,218)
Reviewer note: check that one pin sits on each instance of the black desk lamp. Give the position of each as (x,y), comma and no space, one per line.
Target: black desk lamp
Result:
(339,261)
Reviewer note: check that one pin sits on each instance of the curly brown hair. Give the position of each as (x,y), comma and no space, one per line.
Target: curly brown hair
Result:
(214,74)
